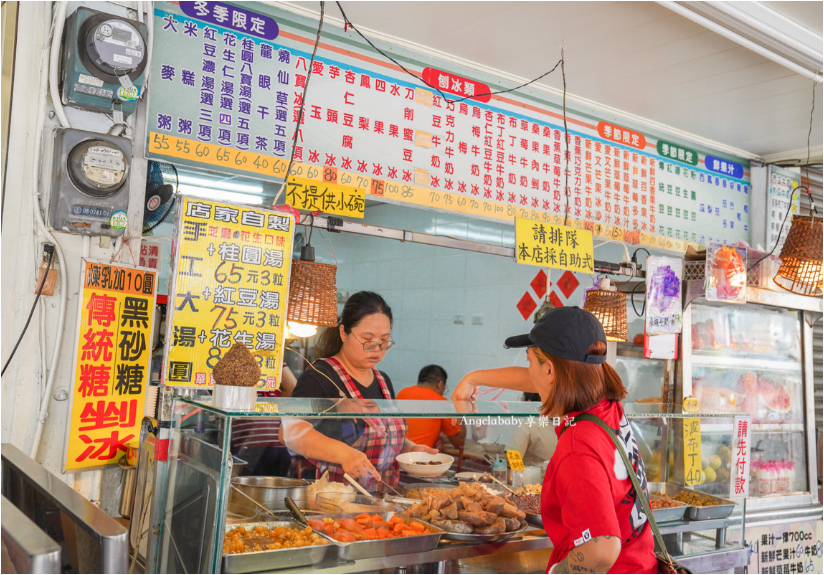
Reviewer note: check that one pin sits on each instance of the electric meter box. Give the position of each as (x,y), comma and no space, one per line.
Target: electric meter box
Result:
(104,57)
(90,183)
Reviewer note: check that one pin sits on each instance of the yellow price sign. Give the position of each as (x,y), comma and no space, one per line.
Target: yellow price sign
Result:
(692,452)
(112,363)
(516,462)
(327,197)
(554,246)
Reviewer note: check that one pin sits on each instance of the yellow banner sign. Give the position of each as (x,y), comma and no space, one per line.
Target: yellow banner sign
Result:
(325,197)
(111,368)
(553,246)
(516,462)
(692,452)
(229,284)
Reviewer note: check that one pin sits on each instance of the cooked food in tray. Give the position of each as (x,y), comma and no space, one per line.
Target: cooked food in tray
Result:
(468,509)
(367,527)
(693,499)
(528,502)
(664,503)
(261,538)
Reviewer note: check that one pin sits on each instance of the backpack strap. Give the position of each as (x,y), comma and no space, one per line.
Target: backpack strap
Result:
(639,493)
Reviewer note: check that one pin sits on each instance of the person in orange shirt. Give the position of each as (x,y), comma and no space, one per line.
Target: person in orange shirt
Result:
(432,386)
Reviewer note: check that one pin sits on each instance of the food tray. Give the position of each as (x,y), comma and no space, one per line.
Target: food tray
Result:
(478,538)
(257,561)
(446,486)
(723,508)
(535,519)
(386,547)
(670,513)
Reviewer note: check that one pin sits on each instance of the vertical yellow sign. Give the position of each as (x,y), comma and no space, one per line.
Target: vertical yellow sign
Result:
(229,284)
(553,246)
(692,451)
(111,369)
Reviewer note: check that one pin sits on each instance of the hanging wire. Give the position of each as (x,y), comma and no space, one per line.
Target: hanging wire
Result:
(813,209)
(302,105)
(438,90)
(566,141)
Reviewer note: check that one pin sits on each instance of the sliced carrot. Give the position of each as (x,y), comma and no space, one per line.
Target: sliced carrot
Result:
(395,519)
(409,533)
(427,532)
(377,518)
(362,515)
(398,527)
(417,526)
(370,533)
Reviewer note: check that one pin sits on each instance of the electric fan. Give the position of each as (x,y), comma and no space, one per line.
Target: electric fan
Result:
(161,190)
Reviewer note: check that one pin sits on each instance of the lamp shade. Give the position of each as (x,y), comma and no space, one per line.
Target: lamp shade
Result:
(313,294)
(800,270)
(610,307)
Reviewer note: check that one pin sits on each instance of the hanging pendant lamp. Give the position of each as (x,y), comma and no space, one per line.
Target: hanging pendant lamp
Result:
(800,270)
(313,294)
(610,307)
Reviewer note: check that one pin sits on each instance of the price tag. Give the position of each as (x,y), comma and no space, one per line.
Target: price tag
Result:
(516,462)
(691,405)
(692,452)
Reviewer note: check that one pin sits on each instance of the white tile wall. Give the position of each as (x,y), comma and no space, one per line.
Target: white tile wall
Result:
(428,286)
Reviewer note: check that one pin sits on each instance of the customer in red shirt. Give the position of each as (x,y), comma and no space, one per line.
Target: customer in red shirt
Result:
(431,387)
(589,508)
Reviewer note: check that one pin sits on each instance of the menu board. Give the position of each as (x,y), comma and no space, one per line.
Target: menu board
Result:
(782,195)
(112,353)
(229,284)
(226,97)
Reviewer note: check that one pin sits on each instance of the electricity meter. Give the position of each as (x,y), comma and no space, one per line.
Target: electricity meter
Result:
(90,183)
(104,57)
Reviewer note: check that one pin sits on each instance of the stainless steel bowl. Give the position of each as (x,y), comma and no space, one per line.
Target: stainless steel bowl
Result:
(269,490)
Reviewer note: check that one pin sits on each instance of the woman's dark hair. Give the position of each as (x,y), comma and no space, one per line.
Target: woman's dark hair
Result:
(358,306)
(531,397)
(578,385)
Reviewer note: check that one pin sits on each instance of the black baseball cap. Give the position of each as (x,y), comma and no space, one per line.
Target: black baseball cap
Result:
(565,332)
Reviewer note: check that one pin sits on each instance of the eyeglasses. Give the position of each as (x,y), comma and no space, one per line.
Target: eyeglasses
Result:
(370,345)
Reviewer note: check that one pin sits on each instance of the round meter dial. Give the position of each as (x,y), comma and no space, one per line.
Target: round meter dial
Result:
(98,168)
(112,47)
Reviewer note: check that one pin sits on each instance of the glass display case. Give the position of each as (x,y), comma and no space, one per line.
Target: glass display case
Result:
(197,495)
(751,359)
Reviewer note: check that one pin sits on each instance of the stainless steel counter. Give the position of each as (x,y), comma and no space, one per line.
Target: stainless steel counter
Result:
(527,554)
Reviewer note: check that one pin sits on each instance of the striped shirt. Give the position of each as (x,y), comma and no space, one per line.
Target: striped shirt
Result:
(251,432)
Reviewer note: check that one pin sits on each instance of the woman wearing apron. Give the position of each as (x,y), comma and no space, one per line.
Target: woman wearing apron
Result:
(365,448)
(589,508)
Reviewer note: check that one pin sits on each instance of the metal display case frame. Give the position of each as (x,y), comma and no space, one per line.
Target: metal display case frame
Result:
(809,309)
(218,465)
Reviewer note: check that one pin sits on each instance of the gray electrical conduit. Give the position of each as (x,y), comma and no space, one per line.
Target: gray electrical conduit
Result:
(45,76)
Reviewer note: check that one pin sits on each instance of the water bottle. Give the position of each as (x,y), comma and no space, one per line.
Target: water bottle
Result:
(500,469)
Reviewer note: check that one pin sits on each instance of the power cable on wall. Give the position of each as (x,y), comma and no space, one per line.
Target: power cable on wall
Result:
(302,104)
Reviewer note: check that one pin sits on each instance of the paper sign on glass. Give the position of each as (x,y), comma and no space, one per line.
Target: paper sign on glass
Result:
(663,295)
(554,246)
(229,284)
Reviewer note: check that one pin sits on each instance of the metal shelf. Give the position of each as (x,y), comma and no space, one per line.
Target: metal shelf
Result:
(746,362)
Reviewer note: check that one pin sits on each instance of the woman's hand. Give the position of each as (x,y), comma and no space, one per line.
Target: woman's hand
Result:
(466,389)
(356,464)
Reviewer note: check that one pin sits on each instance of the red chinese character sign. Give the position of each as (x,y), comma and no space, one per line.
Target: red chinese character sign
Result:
(740,458)
(227,98)
(111,369)
(229,284)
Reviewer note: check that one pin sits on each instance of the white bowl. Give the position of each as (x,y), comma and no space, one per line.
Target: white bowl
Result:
(407,461)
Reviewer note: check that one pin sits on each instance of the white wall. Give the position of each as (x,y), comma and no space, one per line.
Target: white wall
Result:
(22,384)
(428,286)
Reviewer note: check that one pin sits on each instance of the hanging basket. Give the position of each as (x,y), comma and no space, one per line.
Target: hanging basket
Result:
(610,308)
(313,294)
(800,270)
